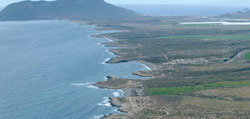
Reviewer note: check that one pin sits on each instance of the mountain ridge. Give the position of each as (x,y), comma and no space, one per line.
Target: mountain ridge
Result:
(65,9)
(244,14)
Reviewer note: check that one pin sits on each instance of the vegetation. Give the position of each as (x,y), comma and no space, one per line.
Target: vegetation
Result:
(198,70)
(209,37)
(247,55)
(65,9)
(187,89)
(172,43)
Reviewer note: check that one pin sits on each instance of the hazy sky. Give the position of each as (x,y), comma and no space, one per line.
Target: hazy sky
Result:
(203,2)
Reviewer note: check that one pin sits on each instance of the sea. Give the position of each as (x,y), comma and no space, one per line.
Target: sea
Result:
(47,69)
(182,10)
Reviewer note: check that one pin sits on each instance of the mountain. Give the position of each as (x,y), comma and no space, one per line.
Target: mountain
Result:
(64,9)
(244,14)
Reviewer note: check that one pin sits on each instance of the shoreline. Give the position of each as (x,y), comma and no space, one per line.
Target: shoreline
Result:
(128,87)
(124,91)
(109,100)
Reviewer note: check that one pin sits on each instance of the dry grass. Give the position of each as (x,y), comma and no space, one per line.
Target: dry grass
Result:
(216,104)
(241,92)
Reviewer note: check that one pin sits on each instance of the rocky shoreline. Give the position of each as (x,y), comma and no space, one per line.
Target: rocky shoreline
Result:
(132,89)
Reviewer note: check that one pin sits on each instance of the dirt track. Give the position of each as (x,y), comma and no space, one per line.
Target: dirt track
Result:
(237,57)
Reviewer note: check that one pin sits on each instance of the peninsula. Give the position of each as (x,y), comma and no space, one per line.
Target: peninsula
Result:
(199,70)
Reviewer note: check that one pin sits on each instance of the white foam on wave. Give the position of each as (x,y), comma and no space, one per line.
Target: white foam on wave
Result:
(106,60)
(109,40)
(80,84)
(110,53)
(87,85)
(109,58)
(118,93)
(92,86)
(98,117)
(147,67)
(105,78)
(105,102)
(101,44)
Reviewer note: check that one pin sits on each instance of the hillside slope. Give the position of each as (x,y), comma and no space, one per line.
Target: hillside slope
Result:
(64,9)
(245,14)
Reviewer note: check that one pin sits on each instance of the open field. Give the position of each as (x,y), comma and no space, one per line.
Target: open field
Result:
(209,37)
(199,71)
(247,55)
(188,89)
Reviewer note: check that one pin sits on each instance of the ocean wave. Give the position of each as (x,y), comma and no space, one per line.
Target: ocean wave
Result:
(118,93)
(109,40)
(99,43)
(106,60)
(92,86)
(87,85)
(105,102)
(98,117)
(80,84)
(147,67)
(110,53)
(105,78)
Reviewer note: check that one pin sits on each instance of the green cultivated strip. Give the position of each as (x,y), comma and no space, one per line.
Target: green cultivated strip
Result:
(209,37)
(187,89)
(247,55)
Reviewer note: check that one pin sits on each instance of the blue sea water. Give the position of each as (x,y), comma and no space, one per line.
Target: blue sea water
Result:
(47,68)
(182,10)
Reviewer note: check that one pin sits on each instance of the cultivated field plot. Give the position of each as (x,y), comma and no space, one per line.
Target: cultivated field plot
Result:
(199,70)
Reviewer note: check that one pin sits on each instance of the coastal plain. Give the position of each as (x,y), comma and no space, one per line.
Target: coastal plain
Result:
(198,70)
(199,65)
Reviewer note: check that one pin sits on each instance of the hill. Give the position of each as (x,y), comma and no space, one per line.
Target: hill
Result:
(245,14)
(64,9)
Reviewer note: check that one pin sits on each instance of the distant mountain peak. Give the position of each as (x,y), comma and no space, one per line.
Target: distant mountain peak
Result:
(246,10)
(65,9)
(243,14)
